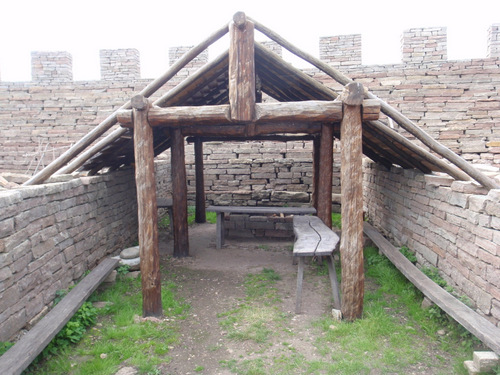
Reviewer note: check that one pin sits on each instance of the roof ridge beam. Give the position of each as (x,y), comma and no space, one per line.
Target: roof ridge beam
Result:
(241,69)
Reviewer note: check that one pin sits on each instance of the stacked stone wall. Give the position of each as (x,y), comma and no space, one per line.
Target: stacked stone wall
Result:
(456,101)
(51,234)
(451,225)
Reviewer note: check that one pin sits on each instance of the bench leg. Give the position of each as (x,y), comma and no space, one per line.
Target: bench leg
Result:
(220,230)
(300,276)
(171,218)
(333,281)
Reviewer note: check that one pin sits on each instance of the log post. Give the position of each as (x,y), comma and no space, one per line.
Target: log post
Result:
(147,211)
(324,190)
(351,175)
(316,172)
(179,195)
(241,69)
(200,216)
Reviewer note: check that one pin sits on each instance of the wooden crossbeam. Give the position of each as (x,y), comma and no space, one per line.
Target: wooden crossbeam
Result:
(308,111)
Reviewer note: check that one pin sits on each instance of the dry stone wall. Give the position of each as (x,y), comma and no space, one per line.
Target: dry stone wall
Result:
(451,225)
(457,102)
(51,234)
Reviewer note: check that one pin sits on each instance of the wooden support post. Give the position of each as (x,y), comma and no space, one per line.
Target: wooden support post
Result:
(316,171)
(241,69)
(324,189)
(148,214)
(351,172)
(179,195)
(200,216)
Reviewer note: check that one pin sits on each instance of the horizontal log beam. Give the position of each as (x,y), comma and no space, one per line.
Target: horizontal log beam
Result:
(307,111)
(271,138)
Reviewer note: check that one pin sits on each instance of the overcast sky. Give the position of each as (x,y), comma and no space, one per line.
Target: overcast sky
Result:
(84,27)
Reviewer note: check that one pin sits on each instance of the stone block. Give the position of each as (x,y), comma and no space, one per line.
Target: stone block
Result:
(485,361)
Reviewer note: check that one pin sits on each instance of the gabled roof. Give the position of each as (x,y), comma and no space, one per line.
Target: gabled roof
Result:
(282,82)
(277,79)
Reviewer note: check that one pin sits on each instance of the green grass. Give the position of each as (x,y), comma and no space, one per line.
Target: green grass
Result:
(393,335)
(336,220)
(257,316)
(164,222)
(118,338)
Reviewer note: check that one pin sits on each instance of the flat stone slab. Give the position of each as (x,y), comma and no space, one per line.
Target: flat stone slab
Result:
(130,253)
(134,264)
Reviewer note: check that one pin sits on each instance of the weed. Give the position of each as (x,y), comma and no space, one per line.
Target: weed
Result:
(144,345)
(336,220)
(433,274)
(410,255)
(199,368)
(123,269)
(4,346)
(263,247)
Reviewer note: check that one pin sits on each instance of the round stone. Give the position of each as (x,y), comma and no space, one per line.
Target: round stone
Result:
(130,253)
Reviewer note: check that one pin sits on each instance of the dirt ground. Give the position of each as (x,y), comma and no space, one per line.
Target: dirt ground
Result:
(211,281)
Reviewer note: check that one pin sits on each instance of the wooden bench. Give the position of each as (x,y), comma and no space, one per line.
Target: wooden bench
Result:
(252,210)
(20,356)
(476,324)
(314,238)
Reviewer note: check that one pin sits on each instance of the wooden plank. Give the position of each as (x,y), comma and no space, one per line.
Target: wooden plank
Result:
(20,356)
(262,210)
(333,282)
(105,125)
(313,237)
(307,238)
(325,174)
(241,69)
(200,215)
(300,277)
(147,210)
(179,191)
(351,175)
(476,324)
(219,240)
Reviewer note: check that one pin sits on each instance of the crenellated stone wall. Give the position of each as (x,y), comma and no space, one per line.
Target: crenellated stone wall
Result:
(457,102)
(51,234)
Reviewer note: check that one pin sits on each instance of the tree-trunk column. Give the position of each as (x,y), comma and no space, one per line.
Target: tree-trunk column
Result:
(351,171)
(147,208)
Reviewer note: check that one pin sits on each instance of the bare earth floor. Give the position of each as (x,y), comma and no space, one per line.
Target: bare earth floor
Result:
(211,281)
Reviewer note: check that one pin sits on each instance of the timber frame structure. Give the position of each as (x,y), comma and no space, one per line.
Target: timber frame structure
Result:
(223,101)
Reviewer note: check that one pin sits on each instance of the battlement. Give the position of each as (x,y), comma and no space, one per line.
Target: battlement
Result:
(420,47)
(494,40)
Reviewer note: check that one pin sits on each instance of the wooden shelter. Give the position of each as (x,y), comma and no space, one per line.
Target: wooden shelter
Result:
(223,101)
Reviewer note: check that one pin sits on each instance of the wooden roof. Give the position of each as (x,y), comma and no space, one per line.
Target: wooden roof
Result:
(277,79)
(282,82)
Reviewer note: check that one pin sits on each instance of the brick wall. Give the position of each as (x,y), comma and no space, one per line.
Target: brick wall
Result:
(51,234)
(451,225)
